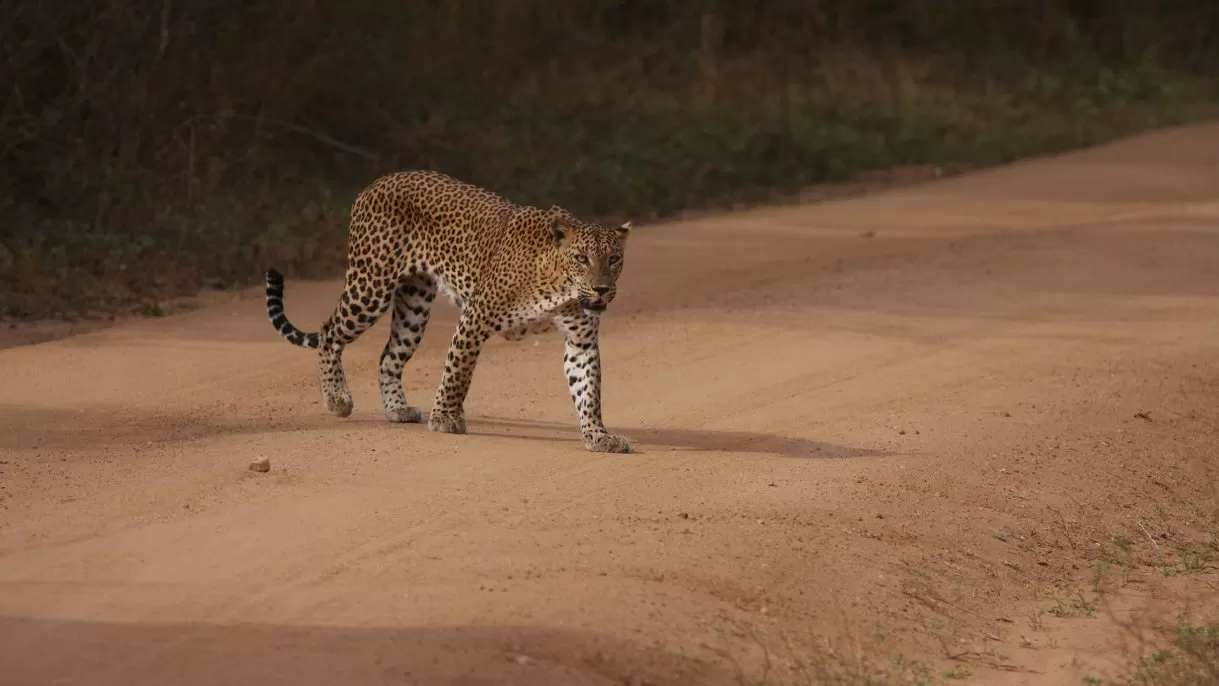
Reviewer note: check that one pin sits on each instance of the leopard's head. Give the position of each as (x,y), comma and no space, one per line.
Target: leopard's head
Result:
(590,258)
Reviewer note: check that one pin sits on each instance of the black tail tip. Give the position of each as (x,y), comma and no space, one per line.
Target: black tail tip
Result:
(274,275)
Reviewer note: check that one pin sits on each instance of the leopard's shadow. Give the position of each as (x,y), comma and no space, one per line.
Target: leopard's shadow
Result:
(644,440)
(69,429)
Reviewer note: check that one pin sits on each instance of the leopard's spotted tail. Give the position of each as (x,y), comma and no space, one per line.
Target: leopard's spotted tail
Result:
(275,310)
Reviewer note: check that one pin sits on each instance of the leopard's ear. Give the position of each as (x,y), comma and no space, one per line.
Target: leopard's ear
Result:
(623,231)
(558,227)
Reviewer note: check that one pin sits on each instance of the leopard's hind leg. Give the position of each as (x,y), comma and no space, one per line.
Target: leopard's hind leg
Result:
(363,302)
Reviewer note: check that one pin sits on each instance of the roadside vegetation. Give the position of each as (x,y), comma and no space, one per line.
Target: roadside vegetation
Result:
(151,149)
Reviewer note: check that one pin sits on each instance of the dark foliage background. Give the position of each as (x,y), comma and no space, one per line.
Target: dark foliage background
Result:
(152,147)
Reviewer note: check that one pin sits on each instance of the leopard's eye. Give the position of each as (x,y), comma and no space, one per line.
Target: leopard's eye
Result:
(582,259)
(615,259)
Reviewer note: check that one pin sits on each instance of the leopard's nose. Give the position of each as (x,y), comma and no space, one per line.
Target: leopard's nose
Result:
(602,290)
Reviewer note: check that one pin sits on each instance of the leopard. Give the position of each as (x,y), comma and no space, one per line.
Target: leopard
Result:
(512,270)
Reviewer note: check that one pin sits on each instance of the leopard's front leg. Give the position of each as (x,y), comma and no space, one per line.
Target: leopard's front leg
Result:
(447,414)
(582,365)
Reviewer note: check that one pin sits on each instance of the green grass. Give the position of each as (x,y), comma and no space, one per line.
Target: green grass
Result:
(1078,605)
(809,660)
(1189,657)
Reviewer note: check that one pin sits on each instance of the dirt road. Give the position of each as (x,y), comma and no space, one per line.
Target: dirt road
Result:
(909,424)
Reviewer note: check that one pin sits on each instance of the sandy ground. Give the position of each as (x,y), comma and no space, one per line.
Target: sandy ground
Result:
(967,423)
